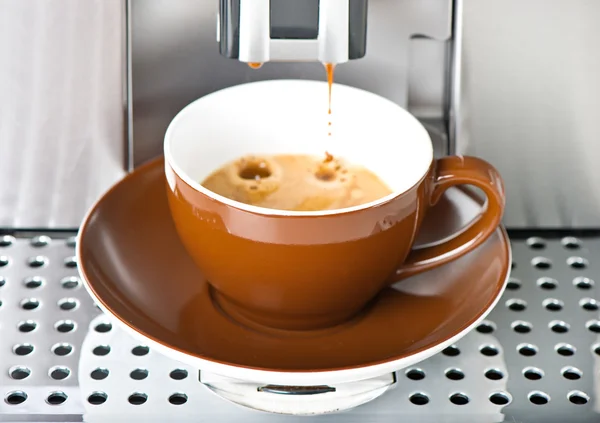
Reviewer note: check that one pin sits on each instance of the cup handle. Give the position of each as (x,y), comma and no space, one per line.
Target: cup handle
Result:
(451,171)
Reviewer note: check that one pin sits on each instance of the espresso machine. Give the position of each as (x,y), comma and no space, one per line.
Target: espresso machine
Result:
(87,90)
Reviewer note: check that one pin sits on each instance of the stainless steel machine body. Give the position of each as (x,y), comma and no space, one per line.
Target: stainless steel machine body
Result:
(107,76)
(527,98)
(62,108)
(88,88)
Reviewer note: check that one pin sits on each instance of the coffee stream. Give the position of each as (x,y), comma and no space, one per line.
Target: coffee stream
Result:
(295,181)
(329,68)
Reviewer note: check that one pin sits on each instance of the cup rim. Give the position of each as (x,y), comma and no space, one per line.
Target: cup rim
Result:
(265,211)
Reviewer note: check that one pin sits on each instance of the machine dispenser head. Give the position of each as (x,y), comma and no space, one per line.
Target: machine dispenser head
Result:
(259,31)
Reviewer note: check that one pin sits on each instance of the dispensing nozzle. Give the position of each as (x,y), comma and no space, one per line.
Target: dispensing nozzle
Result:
(259,31)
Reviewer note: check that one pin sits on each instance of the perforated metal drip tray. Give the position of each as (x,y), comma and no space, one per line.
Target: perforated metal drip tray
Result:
(536,358)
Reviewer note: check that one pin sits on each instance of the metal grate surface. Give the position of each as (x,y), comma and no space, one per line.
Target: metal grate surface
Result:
(536,358)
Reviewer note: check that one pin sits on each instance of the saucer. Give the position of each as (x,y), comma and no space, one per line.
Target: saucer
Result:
(134,266)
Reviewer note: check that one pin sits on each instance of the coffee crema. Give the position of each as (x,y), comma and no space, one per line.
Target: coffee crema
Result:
(296,182)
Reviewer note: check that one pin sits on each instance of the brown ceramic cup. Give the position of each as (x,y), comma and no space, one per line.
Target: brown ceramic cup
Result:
(295,270)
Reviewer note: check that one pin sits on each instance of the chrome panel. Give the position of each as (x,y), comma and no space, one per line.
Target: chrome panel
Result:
(62,132)
(528,100)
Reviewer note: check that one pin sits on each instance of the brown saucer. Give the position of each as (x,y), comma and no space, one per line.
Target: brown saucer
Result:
(134,265)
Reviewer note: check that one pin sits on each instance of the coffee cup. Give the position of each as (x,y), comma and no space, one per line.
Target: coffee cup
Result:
(309,270)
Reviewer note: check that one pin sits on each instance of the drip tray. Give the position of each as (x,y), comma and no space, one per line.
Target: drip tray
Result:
(536,358)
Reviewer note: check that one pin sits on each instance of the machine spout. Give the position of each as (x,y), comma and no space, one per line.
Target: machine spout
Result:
(259,31)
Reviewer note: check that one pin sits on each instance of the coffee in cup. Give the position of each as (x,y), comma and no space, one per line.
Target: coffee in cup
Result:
(294,269)
(298,182)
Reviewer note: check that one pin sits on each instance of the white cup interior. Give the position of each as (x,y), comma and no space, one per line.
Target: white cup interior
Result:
(291,117)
